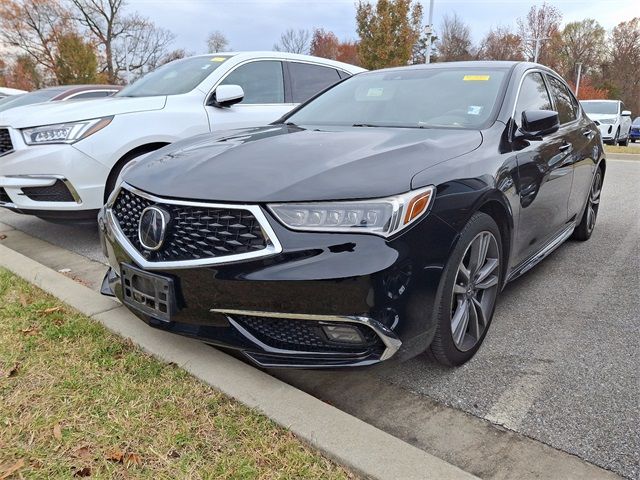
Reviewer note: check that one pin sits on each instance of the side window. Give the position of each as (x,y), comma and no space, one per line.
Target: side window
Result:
(104,93)
(343,74)
(262,81)
(565,103)
(307,80)
(533,96)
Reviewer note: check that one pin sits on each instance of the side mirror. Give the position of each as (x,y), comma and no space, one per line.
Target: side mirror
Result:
(626,113)
(226,95)
(538,123)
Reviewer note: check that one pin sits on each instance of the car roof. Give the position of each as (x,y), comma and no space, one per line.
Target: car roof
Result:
(246,55)
(598,100)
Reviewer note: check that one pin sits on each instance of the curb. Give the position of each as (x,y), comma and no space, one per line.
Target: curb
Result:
(342,437)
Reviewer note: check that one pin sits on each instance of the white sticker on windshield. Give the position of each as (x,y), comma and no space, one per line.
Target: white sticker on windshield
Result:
(375,92)
(474,110)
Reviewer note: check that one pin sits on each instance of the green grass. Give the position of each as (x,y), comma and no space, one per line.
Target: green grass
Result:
(76,399)
(618,149)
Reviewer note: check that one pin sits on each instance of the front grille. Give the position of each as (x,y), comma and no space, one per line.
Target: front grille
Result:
(5,141)
(193,233)
(304,335)
(58,192)
(4,196)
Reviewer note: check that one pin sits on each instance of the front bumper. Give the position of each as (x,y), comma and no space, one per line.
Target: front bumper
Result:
(607,131)
(40,167)
(272,308)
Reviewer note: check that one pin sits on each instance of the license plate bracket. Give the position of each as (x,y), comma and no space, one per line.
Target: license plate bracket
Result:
(148,293)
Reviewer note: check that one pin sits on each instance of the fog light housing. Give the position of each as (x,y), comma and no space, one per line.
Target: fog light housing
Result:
(343,334)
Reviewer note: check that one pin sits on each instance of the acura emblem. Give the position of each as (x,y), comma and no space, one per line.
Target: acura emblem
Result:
(152,227)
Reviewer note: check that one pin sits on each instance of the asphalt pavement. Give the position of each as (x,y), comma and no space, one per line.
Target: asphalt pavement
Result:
(559,364)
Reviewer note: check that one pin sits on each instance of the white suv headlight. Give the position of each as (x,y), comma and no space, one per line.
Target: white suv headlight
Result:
(64,132)
(384,216)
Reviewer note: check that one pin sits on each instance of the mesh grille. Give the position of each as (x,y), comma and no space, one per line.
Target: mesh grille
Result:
(303,335)
(4,197)
(5,141)
(193,233)
(58,192)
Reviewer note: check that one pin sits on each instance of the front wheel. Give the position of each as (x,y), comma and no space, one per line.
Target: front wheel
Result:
(625,142)
(468,291)
(587,223)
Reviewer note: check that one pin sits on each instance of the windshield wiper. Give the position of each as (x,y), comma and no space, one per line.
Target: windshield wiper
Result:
(366,125)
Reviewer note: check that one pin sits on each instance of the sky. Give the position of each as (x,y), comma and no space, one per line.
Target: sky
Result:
(257,24)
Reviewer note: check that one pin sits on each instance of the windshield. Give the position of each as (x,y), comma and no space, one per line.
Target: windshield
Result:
(175,78)
(601,108)
(636,122)
(417,98)
(30,98)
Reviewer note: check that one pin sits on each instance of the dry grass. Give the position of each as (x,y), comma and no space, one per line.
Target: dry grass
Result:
(618,149)
(76,400)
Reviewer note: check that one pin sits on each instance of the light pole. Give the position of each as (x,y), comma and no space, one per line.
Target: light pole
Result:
(126,58)
(429,30)
(579,65)
(536,50)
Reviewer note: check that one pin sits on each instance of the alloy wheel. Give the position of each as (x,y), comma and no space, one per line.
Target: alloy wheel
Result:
(475,291)
(594,201)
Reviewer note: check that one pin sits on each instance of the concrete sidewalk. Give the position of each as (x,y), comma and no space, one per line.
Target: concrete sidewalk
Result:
(349,441)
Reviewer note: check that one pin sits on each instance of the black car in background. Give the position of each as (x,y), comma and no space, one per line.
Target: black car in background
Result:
(378,220)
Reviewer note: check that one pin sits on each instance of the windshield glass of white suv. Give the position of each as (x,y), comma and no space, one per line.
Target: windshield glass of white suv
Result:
(417,98)
(175,78)
(601,108)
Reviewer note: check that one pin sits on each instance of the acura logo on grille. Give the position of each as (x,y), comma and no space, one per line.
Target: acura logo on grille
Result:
(152,227)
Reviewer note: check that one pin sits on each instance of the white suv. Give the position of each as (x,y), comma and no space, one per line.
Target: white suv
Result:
(60,161)
(612,119)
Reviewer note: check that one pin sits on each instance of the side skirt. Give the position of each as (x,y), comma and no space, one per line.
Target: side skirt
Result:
(554,243)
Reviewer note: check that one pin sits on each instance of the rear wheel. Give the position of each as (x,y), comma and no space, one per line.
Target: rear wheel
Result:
(585,228)
(467,295)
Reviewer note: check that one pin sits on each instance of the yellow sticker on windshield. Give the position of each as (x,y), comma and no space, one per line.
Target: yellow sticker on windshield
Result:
(476,78)
(218,59)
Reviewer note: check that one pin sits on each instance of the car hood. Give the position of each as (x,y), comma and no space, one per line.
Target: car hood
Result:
(287,163)
(599,116)
(72,111)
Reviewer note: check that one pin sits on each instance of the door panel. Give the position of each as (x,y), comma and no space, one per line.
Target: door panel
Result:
(578,131)
(264,100)
(545,175)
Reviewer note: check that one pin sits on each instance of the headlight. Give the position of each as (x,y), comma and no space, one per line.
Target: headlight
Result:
(608,121)
(384,216)
(64,132)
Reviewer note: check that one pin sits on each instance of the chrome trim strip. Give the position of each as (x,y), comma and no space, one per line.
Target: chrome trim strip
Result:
(273,244)
(388,337)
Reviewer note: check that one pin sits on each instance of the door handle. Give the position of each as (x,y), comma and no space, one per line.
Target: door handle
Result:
(564,147)
(588,133)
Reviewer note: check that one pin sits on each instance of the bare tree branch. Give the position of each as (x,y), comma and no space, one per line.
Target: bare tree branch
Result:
(294,41)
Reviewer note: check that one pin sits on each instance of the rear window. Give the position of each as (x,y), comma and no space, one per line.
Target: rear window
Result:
(307,80)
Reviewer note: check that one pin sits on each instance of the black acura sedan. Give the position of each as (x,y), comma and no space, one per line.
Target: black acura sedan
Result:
(379,220)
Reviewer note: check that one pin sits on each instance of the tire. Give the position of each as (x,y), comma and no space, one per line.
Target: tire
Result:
(114,176)
(625,142)
(584,229)
(454,346)
(616,138)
